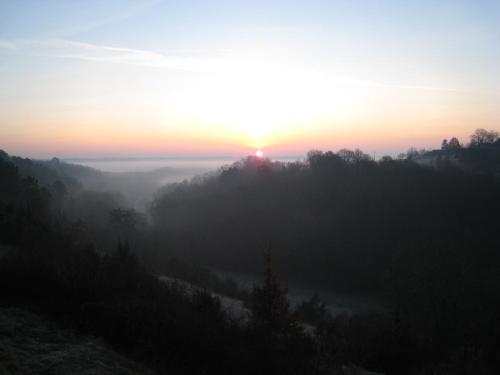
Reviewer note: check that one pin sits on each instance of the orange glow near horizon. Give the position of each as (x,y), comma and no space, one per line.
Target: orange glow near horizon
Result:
(107,141)
(111,136)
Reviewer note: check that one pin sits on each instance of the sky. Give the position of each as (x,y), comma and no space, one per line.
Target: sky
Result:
(214,78)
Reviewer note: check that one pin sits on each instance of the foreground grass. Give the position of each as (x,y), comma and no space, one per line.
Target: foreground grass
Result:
(31,345)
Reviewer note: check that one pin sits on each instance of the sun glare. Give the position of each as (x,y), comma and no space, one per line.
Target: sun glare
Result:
(257,100)
(259,153)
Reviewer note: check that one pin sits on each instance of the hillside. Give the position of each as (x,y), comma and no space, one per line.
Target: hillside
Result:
(416,238)
(32,345)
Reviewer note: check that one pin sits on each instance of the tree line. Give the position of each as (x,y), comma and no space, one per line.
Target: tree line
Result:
(417,232)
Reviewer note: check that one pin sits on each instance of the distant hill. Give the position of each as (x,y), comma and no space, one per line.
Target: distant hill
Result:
(483,159)
(480,156)
(326,214)
(43,172)
(136,188)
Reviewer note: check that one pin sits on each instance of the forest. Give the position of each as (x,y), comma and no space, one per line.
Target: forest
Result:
(418,233)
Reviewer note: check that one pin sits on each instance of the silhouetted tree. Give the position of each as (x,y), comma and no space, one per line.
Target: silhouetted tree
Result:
(483,136)
(412,153)
(270,306)
(454,144)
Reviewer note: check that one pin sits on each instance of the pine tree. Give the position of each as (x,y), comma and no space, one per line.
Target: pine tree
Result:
(270,306)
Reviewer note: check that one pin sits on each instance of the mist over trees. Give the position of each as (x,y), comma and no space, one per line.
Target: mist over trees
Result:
(49,266)
(418,233)
(336,219)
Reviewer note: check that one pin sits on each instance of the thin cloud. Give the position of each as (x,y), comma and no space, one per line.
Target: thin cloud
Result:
(7,45)
(117,55)
(68,49)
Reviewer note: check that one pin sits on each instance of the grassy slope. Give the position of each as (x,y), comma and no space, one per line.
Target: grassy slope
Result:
(32,345)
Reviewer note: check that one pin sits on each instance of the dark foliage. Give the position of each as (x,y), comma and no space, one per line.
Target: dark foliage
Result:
(334,223)
(420,237)
(419,233)
(47,269)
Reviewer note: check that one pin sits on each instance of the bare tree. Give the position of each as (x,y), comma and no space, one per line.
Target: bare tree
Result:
(482,137)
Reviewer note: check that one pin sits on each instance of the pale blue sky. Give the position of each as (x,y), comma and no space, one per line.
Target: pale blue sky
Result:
(75,71)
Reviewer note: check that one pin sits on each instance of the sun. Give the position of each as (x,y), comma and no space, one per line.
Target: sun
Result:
(257,103)
(259,153)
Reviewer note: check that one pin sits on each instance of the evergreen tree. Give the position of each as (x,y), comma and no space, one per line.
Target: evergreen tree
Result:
(270,306)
